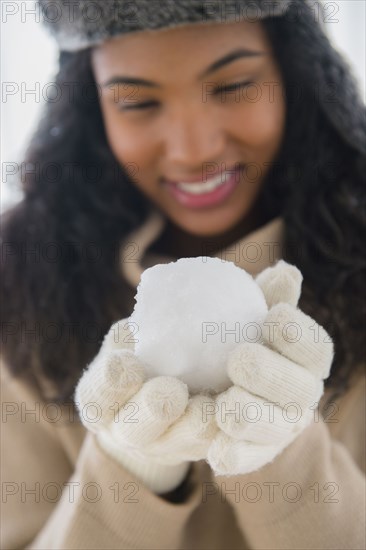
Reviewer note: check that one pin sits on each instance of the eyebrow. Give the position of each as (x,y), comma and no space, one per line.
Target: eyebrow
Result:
(225,60)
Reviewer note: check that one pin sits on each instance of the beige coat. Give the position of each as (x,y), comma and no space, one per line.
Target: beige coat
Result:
(60,489)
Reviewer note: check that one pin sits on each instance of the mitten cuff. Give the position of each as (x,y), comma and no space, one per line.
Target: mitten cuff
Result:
(159,478)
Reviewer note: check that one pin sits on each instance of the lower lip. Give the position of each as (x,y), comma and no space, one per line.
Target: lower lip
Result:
(212,198)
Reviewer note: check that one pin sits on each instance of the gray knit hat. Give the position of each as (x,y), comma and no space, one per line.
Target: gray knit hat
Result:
(78,24)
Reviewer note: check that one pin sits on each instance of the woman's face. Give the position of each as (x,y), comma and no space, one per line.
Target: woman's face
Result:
(196,114)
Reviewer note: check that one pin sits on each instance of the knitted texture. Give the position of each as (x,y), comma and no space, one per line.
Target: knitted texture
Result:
(152,427)
(277,382)
(79,24)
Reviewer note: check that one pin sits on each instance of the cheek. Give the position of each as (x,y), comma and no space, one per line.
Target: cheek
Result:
(260,124)
(129,145)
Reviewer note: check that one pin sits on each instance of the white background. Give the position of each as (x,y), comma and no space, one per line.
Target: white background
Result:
(29,59)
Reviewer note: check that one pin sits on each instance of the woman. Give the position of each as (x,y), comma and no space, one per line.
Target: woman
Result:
(187,136)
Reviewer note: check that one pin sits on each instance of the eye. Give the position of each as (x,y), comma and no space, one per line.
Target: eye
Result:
(144,105)
(236,86)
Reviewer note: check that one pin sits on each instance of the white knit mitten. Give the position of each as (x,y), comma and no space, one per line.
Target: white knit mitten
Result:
(277,382)
(151,427)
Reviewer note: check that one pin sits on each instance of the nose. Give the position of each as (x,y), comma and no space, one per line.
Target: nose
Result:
(192,137)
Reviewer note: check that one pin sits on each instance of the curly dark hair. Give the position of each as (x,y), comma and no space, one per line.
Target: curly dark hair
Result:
(50,283)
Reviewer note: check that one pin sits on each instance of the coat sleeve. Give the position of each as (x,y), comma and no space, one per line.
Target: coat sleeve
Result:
(49,503)
(313,494)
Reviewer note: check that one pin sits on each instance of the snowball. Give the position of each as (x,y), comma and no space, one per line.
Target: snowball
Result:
(189,314)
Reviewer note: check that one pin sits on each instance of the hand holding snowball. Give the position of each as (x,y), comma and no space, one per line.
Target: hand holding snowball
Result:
(152,427)
(274,382)
(156,389)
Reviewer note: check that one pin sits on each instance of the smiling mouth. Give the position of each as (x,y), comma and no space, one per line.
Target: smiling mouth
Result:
(205,193)
(207,186)
(202,184)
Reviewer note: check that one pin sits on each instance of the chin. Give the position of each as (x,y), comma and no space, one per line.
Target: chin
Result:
(207,223)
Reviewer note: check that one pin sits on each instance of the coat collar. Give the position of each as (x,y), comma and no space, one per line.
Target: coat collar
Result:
(254,252)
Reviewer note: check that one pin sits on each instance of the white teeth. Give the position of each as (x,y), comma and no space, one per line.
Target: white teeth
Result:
(205,187)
